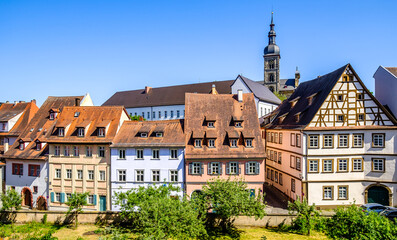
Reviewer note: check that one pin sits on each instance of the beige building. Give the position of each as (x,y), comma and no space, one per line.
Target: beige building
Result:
(79,154)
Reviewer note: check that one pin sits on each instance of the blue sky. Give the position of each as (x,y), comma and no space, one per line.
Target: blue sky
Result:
(60,48)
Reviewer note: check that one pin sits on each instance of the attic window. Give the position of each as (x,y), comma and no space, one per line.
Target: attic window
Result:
(144,134)
(360,96)
(248,143)
(197,143)
(52,115)
(76,114)
(21,145)
(80,132)
(38,146)
(361,117)
(159,134)
(294,101)
(61,132)
(348,78)
(297,117)
(233,143)
(238,125)
(340,98)
(211,124)
(341,118)
(310,99)
(101,132)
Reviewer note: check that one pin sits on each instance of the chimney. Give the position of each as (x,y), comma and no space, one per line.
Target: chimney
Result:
(77,102)
(213,89)
(5,147)
(147,89)
(7,101)
(33,101)
(240,95)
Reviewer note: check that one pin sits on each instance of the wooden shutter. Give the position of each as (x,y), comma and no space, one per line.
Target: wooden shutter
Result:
(190,168)
(209,168)
(202,168)
(220,168)
(246,167)
(257,168)
(94,199)
(238,168)
(227,168)
(52,196)
(62,197)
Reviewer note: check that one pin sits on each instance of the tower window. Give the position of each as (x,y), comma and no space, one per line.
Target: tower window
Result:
(271,78)
(271,64)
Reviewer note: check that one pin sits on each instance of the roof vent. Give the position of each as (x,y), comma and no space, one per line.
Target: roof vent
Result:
(76,114)
(31,129)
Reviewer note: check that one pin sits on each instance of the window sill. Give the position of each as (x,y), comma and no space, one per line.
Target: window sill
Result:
(139,159)
(377,171)
(155,159)
(173,159)
(328,199)
(121,159)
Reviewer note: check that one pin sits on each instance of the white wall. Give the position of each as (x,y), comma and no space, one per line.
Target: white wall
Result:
(386,88)
(156,109)
(130,164)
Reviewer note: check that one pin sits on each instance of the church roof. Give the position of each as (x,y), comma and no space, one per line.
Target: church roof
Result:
(287,84)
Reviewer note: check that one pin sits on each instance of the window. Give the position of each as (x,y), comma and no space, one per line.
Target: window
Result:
(328,141)
(58,173)
(340,98)
(328,165)
(159,134)
(68,196)
(313,165)
(279,158)
(57,197)
(89,151)
(165,114)
(38,146)
(91,199)
(57,151)
(292,185)
(357,165)
(101,132)
(252,168)
(211,143)
(79,174)
(340,118)
(342,192)
(210,124)
(328,193)
(292,162)
(232,168)
(17,169)
(360,117)
(248,143)
(233,143)
(298,140)
(238,125)
(174,153)
(358,140)
(360,96)
(280,179)
(68,173)
(144,135)
(139,154)
(61,132)
(268,173)
(122,175)
(101,151)
(76,151)
(293,139)
(280,138)
(276,138)
(178,115)
(298,163)
(153,115)
(34,170)
(90,174)
(272,174)
(102,176)
(214,168)
(172,114)
(378,140)
(378,164)
(21,145)
(155,154)
(35,189)
(66,151)
(313,141)
(139,175)
(342,165)
(276,177)
(174,175)
(159,114)
(80,132)
(195,168)
(148,115)
(121,153)
(343,140)
(52,115)
(197,143)
(156,175)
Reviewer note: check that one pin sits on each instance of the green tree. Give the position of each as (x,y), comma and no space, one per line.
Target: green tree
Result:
(280,96)
(307,215)
(137,118)
(155,214)
(11,200)
(76,202)
(230,198)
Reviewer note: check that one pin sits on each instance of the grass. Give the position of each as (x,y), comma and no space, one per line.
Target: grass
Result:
(91,232)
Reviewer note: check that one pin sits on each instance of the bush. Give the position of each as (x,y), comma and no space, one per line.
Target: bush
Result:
(306,218)
(353,223)
(11,200)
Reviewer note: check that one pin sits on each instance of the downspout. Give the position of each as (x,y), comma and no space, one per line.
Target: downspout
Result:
(305,154)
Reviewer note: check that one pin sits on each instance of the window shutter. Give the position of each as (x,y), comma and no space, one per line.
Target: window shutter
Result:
(52,196)
(227,168)
(202,168)
(257,168)
(209,169)
(190,168)
(94,199)
(62,197)
(220,168)
(238,169)
(246,167)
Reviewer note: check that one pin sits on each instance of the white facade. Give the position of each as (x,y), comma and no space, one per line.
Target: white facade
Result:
(386,88)
(159,112)
(130,165)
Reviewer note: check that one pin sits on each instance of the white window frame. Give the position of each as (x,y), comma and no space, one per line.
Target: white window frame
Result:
(233,143)
(211,143)
(378,164)
(139,153)
(156,175)
(313,166)
(358,140)
(139,175)
(69,174)
(174,175)
(357,162)
(57,150)
(91,174)
(156,154)
(102,175)
(197,143)
(122,154)
(61,132)
(121,175)
(248,143)
(328,193)
(80,174)
(88,151)
(343,141)
(101,149)
(378,140)
(173,153)
(313,141)
(343,165)
(235,167)
(80,132)
(328,141)
(58,173)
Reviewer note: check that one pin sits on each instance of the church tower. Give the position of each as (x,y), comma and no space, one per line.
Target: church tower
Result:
(271,56)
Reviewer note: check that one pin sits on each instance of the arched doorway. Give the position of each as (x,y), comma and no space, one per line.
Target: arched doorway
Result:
(41,203)
(27,197)
(377,193)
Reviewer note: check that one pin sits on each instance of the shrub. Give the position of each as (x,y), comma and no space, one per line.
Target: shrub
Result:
(11,200)
(306,218)
(76,203)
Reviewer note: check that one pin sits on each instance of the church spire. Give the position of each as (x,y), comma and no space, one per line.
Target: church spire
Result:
(272,33)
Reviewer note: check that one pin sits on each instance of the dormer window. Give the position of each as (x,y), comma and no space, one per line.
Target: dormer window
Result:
(238,125)
(52,115)
(211,143)
(211,124)
(197,143)
(144,135)
(248,143)
(233,143)
(21,145)
(159,134)
(38,146)
(101,132)
(80,132)
(61,132)
(3,126)
(297,117)
(76,114)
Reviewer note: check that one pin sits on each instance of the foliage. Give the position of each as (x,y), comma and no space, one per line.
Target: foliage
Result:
(76,203)
(11,200)
(354,223)
(32,230)
(306,218)
(229,199)
(137,118)
(155,214)
(44,219)
(280,96)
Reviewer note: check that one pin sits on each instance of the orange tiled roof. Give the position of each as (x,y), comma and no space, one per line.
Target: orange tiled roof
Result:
(11,110)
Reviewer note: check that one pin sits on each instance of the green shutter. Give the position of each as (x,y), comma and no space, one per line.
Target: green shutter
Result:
(62,197)
(52,196)
(94,199)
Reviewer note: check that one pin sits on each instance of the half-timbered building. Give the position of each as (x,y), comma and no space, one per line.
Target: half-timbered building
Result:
(347,149)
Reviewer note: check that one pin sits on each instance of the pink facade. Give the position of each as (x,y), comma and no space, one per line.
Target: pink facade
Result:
(284,161)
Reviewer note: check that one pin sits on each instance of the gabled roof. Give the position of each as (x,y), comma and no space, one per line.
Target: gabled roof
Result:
(164,96)
(91,118)
(38,128)
(260,91)
(10,110)
(173,135)
(320,86)
(392,70)
(223,108)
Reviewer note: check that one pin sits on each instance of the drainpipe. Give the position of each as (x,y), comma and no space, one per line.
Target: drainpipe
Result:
(306,150)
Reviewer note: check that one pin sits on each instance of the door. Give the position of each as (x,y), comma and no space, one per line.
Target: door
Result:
(378,194)
(28,198)
(102,203)
(41,203)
